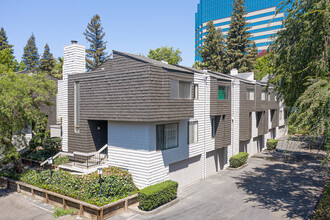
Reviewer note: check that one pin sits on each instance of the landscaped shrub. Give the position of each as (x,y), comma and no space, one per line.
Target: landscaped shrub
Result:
(61,160)
(154,196)
(238,159)
(116,184)
(49,148)
(271,144)
(323,209)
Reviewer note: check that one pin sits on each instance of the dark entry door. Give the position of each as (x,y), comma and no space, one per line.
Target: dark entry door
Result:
(99,132)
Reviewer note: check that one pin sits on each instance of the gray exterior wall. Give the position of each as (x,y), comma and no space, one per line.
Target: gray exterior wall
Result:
(126,90)
(221,109)
(246,109)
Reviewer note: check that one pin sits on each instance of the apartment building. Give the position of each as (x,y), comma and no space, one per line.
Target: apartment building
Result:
(261,18)
(161,121)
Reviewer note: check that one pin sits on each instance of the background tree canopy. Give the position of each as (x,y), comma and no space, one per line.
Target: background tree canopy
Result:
(167,54)
(301,67)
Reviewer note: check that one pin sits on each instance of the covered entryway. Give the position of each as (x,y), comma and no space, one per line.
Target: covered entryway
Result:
(215,161)
(99,133)
(186,171)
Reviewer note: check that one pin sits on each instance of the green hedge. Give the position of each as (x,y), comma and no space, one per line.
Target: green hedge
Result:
(156,195)
(323,209)
(116,184)
(238,159)
(271,144)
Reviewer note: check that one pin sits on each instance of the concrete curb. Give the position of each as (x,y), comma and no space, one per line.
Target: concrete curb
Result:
(238,168)
(136,210)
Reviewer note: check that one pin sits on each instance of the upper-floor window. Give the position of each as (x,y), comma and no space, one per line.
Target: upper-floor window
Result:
(264,95)
(195,91)
(76,107)
(269,96)
(249,94)
(192,132)
(180,89)
(223,92)
(167,136)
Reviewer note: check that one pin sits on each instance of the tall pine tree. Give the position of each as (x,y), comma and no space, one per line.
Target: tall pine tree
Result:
(47,62)
(96,54)
(31,56)
(237,40)
(4,41)
(212,50)
(252,57)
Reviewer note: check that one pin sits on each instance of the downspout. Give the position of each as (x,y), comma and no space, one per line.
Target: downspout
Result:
(204,148)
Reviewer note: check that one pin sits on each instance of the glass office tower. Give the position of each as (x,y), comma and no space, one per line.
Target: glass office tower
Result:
(260,17)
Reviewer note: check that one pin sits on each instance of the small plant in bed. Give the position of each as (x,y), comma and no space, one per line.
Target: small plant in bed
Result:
(58,212)
(238,160)
(156,195)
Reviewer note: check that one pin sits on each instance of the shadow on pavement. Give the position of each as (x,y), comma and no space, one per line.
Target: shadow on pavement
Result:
(4,192)
(290,187)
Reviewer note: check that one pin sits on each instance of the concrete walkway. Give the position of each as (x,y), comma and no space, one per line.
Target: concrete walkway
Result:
(276,188)
(15,206)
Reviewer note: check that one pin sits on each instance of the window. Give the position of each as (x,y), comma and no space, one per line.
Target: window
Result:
(223,92)
(166,136)
(264,95)
(192,132)
(180,89)
(76,107)
(195,91)
(269,96)
(250,94)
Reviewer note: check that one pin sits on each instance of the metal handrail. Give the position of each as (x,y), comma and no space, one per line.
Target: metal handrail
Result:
(78,154)
(53,157)
(91,153)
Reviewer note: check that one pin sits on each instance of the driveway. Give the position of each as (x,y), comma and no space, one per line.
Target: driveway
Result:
(270,187)
(15,206)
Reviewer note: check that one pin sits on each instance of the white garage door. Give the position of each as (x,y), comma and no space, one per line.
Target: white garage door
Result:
(186,171)
(215,161)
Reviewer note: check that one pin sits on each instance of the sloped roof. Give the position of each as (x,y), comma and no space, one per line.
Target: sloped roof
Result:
(153,62)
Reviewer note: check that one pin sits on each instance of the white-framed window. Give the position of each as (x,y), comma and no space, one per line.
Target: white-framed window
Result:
(181,89)
(76,107)
(269,96)
(167,136)
(213,129)
(264,95)
(195,91)
(192,132)
(249,94)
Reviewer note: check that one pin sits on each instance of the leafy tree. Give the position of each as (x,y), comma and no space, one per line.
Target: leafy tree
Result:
(237,40)
(58,69)
(167,54)
(4,41)
(47,62)
(301,49)
(301,66)
(21,96)
(7,63)
(198,65)
(264,66)
(213,50)
(96,54)
(31,56)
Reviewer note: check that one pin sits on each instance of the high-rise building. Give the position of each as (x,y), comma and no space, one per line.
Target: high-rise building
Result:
(260,17)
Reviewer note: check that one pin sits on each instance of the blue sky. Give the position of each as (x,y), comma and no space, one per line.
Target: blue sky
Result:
(133,26)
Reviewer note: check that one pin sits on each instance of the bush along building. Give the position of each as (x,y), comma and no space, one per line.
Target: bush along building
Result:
(161,121)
